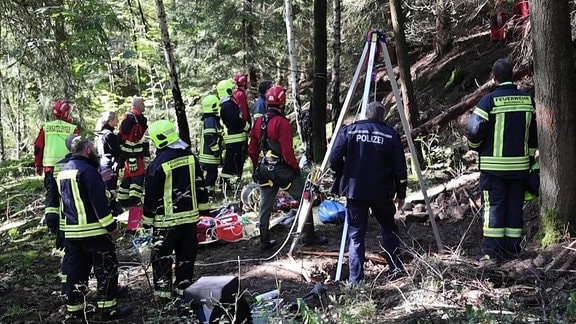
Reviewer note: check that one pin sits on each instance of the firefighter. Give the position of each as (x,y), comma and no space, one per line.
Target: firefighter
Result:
(88,228)
(498,19)
(260,107)
(502,128)
(49,148)
(175,197)
(134,149)
(110,154)
(240,96)
(275,165)
(211,142)
(369,160)
(235,133)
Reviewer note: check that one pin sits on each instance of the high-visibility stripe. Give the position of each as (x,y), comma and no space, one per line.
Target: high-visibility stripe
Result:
(498,145)
(107,303)
(513,232)
(51,210)
(235,138)
(487,231)
(528,121)
(481,113)
(74,308)
(163,294)
(474,145)
(507,109)
(504,163)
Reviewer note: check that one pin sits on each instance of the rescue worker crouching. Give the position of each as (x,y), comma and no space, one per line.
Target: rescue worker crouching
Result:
(211,142)
(275,165)
(88,228)
(175,197)
(235,133)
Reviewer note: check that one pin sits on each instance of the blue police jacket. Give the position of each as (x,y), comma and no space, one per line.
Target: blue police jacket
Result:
(368,157)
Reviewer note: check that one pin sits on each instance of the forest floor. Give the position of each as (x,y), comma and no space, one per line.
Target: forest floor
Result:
(440,286)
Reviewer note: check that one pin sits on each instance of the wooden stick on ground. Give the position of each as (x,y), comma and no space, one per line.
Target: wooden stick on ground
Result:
(560,256)
(370,256)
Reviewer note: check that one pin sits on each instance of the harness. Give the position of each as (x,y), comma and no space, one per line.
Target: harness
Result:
(269,155)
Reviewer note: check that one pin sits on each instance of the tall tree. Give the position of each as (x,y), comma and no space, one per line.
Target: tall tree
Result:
(318,106)
(409,98)
(179,105)
(442,39)
(555,101)
(336,50)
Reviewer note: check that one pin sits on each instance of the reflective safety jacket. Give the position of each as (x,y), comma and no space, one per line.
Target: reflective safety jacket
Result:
(175,189)
(132,129)
(211,141)
(52,212)
(235,128)
(50,145)
(369,157)
(84,201)
(502,129)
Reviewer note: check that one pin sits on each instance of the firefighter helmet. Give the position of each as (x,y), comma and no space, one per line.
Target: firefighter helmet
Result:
(210,105)
(163,133)
(276,96)
(224,88)
(241,79)
(61,109)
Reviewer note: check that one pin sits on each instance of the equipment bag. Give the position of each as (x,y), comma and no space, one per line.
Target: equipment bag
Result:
(331,212)
(229,227)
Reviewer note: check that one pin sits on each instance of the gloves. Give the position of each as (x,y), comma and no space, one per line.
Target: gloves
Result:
(132,164)
(60,240)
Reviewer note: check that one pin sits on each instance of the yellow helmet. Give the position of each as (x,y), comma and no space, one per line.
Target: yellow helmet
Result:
(210,105)
(163,133)
(225,88)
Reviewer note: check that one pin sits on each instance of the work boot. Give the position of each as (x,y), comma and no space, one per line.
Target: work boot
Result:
(116,313)
(267,246)
(314,239)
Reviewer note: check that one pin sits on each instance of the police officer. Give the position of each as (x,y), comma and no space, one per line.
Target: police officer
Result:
(175,197)
(260,107)
(502,128)
(131,132)
(49,148)
(369,158)
(275,165)
(211,143)
(88,228)
(235,132)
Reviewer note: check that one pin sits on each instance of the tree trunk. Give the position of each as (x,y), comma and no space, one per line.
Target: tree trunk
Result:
(555,102)
(179,105)
(294,83)
(318,106)
(336,49)
(2,99)
(442,39)
(410,104)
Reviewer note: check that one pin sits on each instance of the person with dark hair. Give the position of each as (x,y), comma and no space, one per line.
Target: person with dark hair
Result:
(368,158)
(88,228)
(260,107)
(276,167)
(502,129)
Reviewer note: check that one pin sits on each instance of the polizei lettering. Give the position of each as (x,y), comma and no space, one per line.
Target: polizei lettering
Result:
(367,138)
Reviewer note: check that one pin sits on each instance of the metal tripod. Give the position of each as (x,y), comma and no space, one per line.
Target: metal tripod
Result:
(375,38)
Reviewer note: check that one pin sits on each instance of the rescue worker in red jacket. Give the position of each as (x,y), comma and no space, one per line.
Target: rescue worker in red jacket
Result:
(499,16)
(502,128)
(49,148)
(175,197)
(88,228)
(235,133)
(275,165)
(240,96)
(131,132)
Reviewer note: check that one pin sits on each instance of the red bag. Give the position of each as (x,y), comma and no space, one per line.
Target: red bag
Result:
(229,228)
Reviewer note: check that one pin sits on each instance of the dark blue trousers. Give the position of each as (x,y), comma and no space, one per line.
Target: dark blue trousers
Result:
(357,213)
(503,200)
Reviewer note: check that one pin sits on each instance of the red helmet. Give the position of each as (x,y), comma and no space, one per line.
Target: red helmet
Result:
(241,79)
(276,96)
(61,108)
